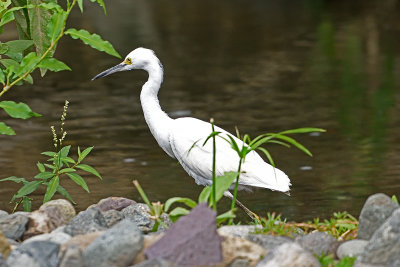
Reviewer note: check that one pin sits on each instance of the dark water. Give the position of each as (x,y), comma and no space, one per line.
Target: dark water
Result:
(260,65)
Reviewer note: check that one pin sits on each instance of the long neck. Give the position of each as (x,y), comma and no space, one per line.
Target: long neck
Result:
(157,120)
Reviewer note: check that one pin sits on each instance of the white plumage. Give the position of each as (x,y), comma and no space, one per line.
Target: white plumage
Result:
(177,136)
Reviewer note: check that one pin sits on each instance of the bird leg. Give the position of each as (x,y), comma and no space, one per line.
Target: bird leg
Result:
(251,214)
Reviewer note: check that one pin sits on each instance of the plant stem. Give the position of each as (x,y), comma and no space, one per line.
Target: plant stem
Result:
(213,193)
(236,189)
(8,86)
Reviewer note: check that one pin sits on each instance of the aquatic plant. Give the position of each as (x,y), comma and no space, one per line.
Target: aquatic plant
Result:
(49,174)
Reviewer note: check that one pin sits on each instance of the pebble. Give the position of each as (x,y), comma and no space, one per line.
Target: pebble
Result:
(234,248)
(351,248)
(289,255)
(375,211)
(117,246)
(318,243)
(13,226)
(90,220)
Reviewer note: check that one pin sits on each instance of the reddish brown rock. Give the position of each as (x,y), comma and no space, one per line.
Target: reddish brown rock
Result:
(192,240)
(65,208)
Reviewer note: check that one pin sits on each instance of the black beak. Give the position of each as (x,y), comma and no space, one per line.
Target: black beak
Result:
(119,67)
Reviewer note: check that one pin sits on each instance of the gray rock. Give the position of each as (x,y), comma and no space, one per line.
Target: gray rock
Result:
(268,242)
(2,261)
(112,217)
(376,210)
(90,220)
(55,237)
(192,240)
(139,213)
(289,255)
(351,248)
(157,262)
(118,246)
(72,257)
(3,213)
(384,245)
(113,203)
(240,263)
(238,230)
(13,226)
(318,243)
(38,253)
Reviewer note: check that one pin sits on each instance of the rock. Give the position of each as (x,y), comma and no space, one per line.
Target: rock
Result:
(2,261)
(234,248)
(90,220)
(5,248)
(238,230)
(157,262)
(318,243)
(351,248)
(269,242)
(139,213)
(13,226)
(148,240)
(376,210)
(81,241)
(55,237)
(113,203)
(13,244)
(43,221)
(289,255)
(32,254)
(192,240)
(112,217)
(3,213)
(240,263)
(72,257)
(117,246)
(64,206)
(384,245)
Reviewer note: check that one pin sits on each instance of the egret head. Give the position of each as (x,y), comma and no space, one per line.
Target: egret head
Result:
(140,58)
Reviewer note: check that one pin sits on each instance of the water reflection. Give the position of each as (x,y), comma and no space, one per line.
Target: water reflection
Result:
(259,65)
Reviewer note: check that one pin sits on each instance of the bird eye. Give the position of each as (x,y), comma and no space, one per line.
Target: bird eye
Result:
(128,61)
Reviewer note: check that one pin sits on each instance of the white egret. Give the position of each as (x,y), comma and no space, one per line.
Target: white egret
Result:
(177,136)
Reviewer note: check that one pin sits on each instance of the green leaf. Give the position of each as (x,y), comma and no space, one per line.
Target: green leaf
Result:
(28,188)
(4,129)
(93,40)
(6,18)
(53,64)
(18,111)
(187,201)
(66,170)
(18,46)
(50,166)
(268,155)
(22,18)
(27,203)
(225,216)
(40,167)
(101,3)
(55,25)
(64,151)
(28,63)
(294,143)
(45,175)
(85,152)
(303,130)
(51,189)
(65,193)
(205,194)
(89,169)
(223,183)
(68,160)
(177,212)
(2,77)
(49,153)
(79,180)
(80,4)
(15,179)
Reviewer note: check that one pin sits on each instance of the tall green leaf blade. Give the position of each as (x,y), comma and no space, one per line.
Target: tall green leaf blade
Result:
(187,201)
(294,143)
(65,193)
(5,129)
(89,169)
(79,180)
(303,130)
(55,25)
(94,40)
(51,188)
(28,63)
(28,188)
(18,111)
(53,65)
(14,179)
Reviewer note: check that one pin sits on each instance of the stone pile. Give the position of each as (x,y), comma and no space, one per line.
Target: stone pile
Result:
(116,232)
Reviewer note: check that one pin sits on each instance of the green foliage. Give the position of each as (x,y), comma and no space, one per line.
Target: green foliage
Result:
(329,261)
(62,165)
(40,24)
(395,200)
(273,224)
